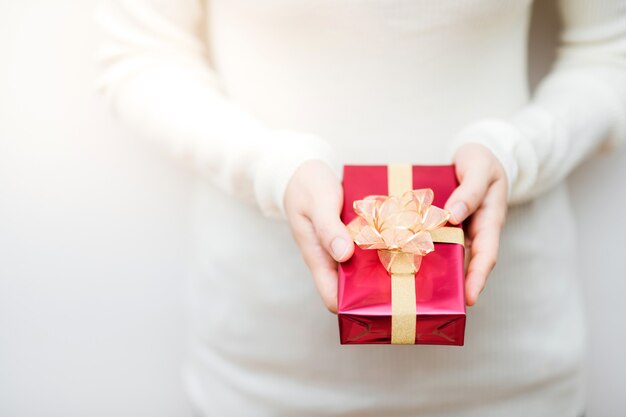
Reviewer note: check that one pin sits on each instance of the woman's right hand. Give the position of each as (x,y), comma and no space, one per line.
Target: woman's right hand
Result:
(313,201)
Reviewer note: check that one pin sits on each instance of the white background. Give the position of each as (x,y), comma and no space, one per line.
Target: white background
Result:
(93,236)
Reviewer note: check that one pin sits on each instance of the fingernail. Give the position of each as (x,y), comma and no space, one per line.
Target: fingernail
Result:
(459,211)
(338,248)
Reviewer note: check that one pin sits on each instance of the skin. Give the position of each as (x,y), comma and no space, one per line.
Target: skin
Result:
(323,239)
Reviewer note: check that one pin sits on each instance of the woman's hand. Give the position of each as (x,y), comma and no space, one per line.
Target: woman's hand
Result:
(313,201)
(482,193)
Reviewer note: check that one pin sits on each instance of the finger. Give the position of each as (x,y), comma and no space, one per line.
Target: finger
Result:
(331,231)
(484,252)
(468,196)
(318,260)
(492,211)
(484,231)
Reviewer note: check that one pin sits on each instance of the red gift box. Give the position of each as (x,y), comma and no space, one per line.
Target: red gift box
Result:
(365,293)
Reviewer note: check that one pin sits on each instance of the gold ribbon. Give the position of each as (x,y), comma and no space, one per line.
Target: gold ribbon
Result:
(403,227)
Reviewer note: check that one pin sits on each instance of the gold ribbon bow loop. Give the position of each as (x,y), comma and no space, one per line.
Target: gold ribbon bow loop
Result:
(398,227)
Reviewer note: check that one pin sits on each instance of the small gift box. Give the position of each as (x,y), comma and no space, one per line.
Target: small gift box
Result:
(404,283)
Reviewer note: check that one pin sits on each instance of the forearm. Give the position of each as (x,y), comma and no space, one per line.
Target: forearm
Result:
(578,108)
(158,80)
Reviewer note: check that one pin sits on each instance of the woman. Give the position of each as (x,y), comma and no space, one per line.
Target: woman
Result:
(267,99)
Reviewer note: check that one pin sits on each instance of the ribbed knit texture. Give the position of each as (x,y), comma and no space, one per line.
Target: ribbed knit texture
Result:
(245,91)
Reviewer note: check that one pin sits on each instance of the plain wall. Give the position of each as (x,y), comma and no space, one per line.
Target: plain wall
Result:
(94,236)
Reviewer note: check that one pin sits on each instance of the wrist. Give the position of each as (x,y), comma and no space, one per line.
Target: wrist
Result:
(500,138)
(290,151)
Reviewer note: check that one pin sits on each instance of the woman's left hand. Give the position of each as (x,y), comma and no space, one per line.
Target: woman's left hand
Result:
(481,196)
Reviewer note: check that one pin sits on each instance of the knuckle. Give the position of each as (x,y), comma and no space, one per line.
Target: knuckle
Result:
(474,196)
(299,233)
(491,263)
(326,226)
(500,219)
(494,171)
(322,226)
(474,193)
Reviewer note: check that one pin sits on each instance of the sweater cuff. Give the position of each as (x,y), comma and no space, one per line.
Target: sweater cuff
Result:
(501,138)
(289,150)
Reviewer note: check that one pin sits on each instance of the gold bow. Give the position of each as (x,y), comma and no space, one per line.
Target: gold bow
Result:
(398,226)
(402,227)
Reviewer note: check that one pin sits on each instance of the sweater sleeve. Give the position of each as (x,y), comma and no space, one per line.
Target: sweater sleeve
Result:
(157,76)
(577,110)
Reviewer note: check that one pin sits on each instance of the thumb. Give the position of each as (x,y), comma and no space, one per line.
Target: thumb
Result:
(468,196)
(333,235)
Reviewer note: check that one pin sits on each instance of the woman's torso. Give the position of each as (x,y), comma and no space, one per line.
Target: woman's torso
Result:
(406,73)
(383,81)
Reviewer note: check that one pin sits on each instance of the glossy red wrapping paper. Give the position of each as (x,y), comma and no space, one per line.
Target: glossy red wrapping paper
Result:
(364,293)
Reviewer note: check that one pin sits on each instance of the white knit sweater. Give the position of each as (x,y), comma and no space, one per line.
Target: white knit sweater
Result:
(246,90)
